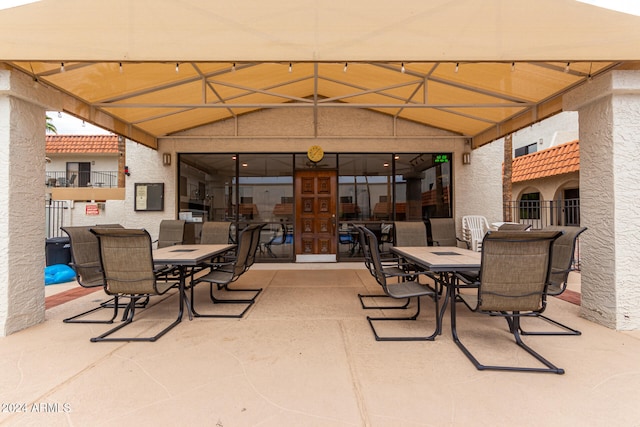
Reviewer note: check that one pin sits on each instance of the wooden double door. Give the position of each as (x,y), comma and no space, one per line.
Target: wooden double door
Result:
(315,220)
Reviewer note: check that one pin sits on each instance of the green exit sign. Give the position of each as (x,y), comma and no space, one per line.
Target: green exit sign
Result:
(441,158)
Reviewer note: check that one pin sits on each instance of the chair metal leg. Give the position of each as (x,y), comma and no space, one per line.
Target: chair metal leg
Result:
(235,301)
(112,303)
(385,307)
(431,337)
(514,327)
(215,300)
(567,330)
(131,307)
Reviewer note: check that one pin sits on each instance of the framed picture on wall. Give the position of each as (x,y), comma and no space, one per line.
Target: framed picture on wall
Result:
(149,196)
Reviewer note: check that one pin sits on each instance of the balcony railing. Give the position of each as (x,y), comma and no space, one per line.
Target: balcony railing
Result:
(108,179)
(540,214)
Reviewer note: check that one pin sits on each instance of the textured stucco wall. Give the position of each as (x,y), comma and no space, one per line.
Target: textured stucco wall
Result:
(609,174)
(626,167)
(145,166)
(110,212)
(555,130)
(23,106)
(21,214)
(478,185)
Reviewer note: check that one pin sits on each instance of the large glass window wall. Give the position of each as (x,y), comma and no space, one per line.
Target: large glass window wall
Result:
(373,189)
(378,189)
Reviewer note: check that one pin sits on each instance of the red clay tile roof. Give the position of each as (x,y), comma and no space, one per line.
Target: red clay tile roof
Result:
(104,144)
(553,161)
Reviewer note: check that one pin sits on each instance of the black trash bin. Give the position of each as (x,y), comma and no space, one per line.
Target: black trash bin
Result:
(58,250)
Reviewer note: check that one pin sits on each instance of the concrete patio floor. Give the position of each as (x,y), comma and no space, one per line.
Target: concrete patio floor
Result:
(304,356)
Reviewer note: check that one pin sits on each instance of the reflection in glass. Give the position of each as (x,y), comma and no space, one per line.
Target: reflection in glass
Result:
(265,194)
(364,187)
(378,189)
(261,191)
(423,186)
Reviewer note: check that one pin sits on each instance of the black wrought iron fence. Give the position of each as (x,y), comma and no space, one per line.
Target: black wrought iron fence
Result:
(54,217)
(540,214)
(82,179)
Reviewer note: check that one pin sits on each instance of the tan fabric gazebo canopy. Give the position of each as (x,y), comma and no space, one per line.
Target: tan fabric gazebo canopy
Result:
(147,70)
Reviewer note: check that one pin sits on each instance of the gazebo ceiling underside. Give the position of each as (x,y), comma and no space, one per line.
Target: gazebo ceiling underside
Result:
(495,74)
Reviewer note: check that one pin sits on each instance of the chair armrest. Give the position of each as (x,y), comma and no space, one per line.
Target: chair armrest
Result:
(85,265)
(463,241)
(217,264)
(466,280)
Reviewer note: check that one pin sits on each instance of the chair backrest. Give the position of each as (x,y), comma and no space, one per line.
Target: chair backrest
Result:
(515,270)
(171,232)
(364,246)
(512,226)
(443,231)
(85,254)
(245,252)
(563,253)
(374,254)
(215,233)
(127,260)
(255,242)
(474,228)
(410,233)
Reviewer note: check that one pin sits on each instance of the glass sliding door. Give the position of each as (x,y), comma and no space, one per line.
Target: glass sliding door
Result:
(365,194)
(265,195)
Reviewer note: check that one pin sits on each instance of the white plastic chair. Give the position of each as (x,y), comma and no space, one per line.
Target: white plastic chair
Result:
(474,227)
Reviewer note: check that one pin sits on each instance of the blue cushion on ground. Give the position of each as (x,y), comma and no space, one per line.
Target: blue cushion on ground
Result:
(58,273)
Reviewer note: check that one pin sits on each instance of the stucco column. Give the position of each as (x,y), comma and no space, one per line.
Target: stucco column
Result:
(609,118)
(22,217)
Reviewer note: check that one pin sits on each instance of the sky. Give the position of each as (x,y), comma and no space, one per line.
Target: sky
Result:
(631,7)
(68,125)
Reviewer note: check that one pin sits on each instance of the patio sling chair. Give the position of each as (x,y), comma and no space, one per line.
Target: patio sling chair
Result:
(442,232)
(474,228)
(171,232)
(406,289)
(390,265)
(216,233)
(222,273)
(514,276)
(410,233)
(561,265)
(127,266)
(85,261)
